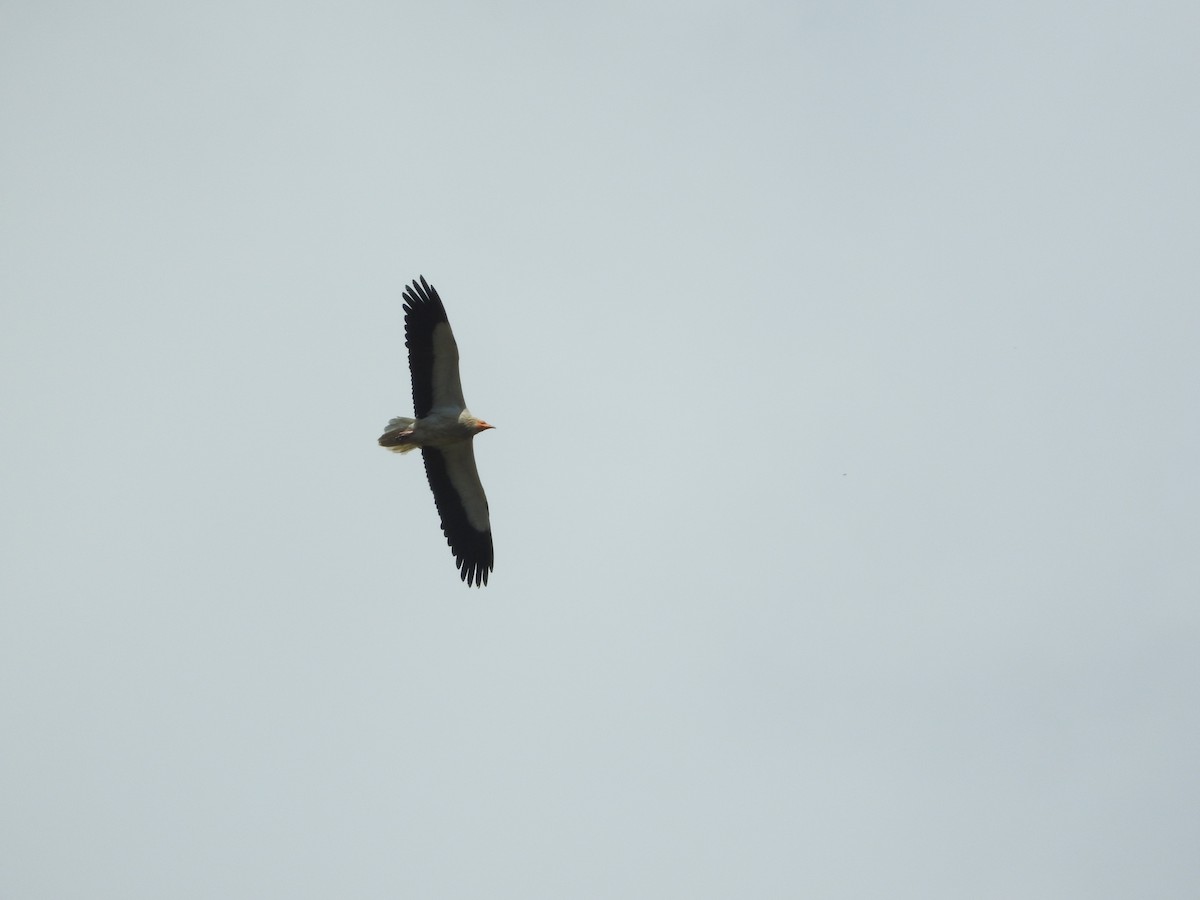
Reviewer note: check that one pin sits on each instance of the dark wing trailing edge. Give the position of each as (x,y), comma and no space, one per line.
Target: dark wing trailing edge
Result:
(423,312)
(462,507)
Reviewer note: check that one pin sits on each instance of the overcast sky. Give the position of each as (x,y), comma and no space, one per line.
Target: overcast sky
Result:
(844,363)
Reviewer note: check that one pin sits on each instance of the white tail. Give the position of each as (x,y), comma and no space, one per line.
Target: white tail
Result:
(397,435)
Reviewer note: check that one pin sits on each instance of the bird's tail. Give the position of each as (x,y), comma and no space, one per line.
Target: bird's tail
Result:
(398,436)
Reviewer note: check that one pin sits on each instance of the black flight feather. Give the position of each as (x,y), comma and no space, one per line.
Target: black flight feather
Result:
(472,548)
(423,311)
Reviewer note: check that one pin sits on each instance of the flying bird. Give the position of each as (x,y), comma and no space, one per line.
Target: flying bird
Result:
(444,430)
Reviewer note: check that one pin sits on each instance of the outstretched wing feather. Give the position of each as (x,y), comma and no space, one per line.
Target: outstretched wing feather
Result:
(462,507)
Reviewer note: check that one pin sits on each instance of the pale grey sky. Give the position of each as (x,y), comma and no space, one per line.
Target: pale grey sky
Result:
(844,363)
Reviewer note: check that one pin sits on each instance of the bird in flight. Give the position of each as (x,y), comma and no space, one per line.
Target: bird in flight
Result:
(444,430)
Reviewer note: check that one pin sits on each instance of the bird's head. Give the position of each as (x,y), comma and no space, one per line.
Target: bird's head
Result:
(481,426)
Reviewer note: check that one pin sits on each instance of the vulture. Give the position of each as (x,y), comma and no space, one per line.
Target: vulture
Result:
(444,429)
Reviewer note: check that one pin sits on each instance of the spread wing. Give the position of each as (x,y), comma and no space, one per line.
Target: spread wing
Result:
(432,352)
(462,507)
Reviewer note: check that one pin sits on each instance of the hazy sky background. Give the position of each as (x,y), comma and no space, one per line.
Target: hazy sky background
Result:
(844,358)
